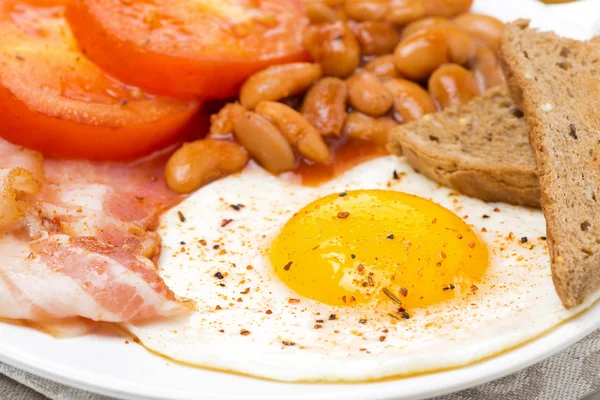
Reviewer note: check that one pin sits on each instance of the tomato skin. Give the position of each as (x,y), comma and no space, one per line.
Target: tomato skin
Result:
(54,100)
(211,77)
(62,138)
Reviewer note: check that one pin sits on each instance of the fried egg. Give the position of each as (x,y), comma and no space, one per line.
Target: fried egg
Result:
(376,273)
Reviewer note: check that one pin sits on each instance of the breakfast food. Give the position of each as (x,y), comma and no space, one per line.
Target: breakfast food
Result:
(282,241)
(53,99)
(465,147)
(78,241)
(351,280)
(201,48)
(555,81)
(369,63)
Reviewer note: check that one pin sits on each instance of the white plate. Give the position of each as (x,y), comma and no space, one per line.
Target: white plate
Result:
(107,365)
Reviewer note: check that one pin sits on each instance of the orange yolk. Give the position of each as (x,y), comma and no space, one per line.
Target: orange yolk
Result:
(379,246)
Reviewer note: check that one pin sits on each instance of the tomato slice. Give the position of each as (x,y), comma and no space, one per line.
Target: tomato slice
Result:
(53,99)
(203,48)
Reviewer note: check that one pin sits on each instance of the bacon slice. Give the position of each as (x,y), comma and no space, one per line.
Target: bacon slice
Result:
(80,244)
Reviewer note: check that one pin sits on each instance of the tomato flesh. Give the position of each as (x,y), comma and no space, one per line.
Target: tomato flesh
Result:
(53,99)
(201,48)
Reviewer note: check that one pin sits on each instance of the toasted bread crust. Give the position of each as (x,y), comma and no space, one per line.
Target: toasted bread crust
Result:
(556,81)
(480,149)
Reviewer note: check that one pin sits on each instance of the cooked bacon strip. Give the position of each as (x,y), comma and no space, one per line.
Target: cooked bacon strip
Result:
(82,245)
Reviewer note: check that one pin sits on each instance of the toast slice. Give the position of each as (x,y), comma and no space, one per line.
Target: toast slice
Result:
(556,82)
(480,149)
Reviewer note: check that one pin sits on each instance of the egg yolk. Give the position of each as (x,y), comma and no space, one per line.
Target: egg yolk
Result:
(378,246)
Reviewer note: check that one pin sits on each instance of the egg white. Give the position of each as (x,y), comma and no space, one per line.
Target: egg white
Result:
(514,303)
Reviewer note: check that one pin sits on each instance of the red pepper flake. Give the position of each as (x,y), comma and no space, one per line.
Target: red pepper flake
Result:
(382,338)
(496,209)
(239,300)
(360,268)
(449,287)
(318,326)
(293,301)
(348,300)
(246,291)
(244,332)
(471,245)
(401,309)
(225,222)
(268,312)
(181,216)
(249,267)
(483,230)
(474,288)
(216,247)
(223,251)
(364,284)
(237,207)
(343,214)
(332,317)
(219,275)
(287,266)
(222,330)
(218,307)
(287,343)
(404,291)
(203,242)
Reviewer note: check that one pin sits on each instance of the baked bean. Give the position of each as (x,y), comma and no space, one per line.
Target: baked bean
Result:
(320,12)
(485,29)
(461,48)
(334,47)
(411,101)
(296,129)
(367,94)
(375,37)
(426,23)
(324,106)
(221,123)
(277,82)
(402,12)
(447,8)
(195,164)
(333,3)
(366,10)
(264,141)
(486,69)
(452,84)
(382,66)
(361,126)
(417,56)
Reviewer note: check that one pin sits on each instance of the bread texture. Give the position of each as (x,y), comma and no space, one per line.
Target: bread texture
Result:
(480,149)
(556,82)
